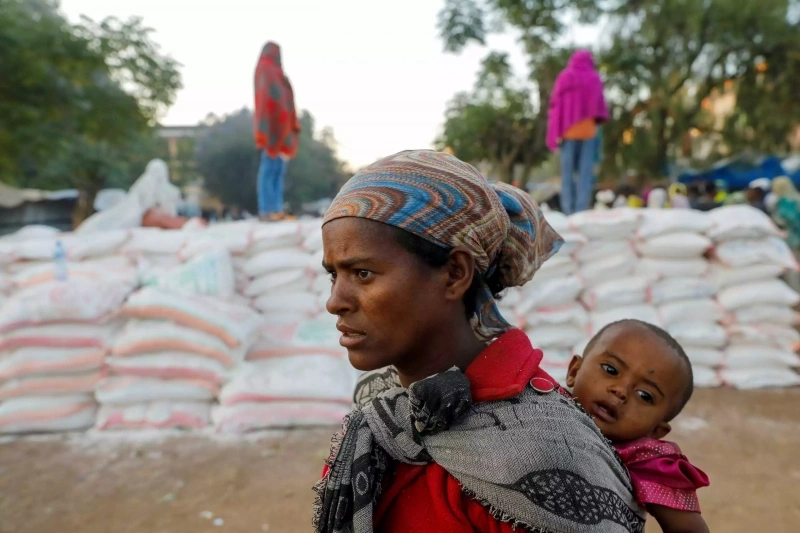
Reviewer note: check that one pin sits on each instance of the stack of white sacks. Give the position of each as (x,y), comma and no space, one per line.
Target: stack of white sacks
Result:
(296,373)
(54,337)
(183,339)
(230,327)
(548,307)
(749,257)
(731,314)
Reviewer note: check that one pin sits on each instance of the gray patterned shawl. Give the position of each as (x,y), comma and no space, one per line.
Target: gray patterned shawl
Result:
(536,460)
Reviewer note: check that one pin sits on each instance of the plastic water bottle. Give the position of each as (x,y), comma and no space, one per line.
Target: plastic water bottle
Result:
(60,260)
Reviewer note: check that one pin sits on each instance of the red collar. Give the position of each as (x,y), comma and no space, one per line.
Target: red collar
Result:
(504,368)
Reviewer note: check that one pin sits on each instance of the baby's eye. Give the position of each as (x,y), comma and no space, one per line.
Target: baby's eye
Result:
(363,275)
(609,369)
(644,395)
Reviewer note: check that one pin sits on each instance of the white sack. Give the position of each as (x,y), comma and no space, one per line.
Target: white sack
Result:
(47,414)
(699,334)
(674,246)
(646,313)
(77,300)
(762,378)
(612,224)
(630,290)
(568,315)
(699,310)
(556,336)
(610,268)
(672,268)
(125,390)
(740,253)
(771,292)
(555,292)
(155,415)
(723,276)
(656,222)
(672,289)
(769,314)
(740,222)
(300,377)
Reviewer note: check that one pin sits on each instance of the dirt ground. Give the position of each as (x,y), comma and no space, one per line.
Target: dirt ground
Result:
(748,443)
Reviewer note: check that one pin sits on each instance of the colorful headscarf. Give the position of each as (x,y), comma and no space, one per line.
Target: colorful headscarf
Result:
(443,200)
(276,125)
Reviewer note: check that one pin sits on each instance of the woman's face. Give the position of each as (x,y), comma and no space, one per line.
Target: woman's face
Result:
(390,304)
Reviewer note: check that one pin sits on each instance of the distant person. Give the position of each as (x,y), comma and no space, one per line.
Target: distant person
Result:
(657,198)
(679,196)
(787,209)
(276,130)
(756,193)
(577,106)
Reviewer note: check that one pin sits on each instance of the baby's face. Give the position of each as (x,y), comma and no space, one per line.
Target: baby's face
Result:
(629,383)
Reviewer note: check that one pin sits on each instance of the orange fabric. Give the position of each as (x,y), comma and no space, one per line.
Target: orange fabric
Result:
(581,131)
(181,318)
(156,218)
(276,126)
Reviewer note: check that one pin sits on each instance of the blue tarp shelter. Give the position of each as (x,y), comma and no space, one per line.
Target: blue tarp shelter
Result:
(738,173)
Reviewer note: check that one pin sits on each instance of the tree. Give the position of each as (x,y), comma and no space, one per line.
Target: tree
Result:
(496,122)
(664,61)
(78,102)
(228,161)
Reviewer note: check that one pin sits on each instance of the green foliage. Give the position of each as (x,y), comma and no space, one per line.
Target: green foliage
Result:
(78,102)
(497,121)
(228,161)
(663,62)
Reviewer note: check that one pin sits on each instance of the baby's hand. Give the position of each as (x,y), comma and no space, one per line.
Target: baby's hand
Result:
(675,521)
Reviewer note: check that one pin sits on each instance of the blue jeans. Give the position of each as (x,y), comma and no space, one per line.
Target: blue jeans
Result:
(577,157)
(270,184)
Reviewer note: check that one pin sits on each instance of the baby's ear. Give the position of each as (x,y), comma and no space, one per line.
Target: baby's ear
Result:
(662,430)
(572,371)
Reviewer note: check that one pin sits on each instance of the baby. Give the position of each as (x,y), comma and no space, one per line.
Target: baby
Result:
(633,379)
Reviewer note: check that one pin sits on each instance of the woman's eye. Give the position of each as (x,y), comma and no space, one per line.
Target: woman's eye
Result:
(609,369)
(644,395)
(332,276)
(363,275)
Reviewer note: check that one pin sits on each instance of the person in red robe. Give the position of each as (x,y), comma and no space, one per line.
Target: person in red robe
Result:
(276,130)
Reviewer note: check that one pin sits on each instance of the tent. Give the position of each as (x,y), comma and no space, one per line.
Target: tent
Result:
(738,173)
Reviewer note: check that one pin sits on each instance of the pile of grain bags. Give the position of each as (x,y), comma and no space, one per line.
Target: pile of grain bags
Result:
(30,253)
(172,357)
(277,271)
(54,337)
(672,244)
(296,374)
(547,307)
(749,257)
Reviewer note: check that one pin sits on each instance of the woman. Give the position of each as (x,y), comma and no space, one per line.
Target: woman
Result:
(678,196)
(787,209)
(276,130)
(458,429)
(657,198)
(577,106)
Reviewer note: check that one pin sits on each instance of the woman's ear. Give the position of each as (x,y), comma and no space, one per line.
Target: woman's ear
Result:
(460,270)
(572,372)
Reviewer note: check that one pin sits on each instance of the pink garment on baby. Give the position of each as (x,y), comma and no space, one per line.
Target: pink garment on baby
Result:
(661,474)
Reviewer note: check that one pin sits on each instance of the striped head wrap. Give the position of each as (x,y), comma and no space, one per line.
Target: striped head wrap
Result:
(443,200)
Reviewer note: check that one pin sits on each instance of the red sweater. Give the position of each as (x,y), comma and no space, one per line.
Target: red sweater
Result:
(426,499)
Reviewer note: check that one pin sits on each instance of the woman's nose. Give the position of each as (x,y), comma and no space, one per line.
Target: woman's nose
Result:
(340,302)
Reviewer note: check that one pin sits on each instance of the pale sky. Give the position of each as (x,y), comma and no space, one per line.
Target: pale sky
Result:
(374,71)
